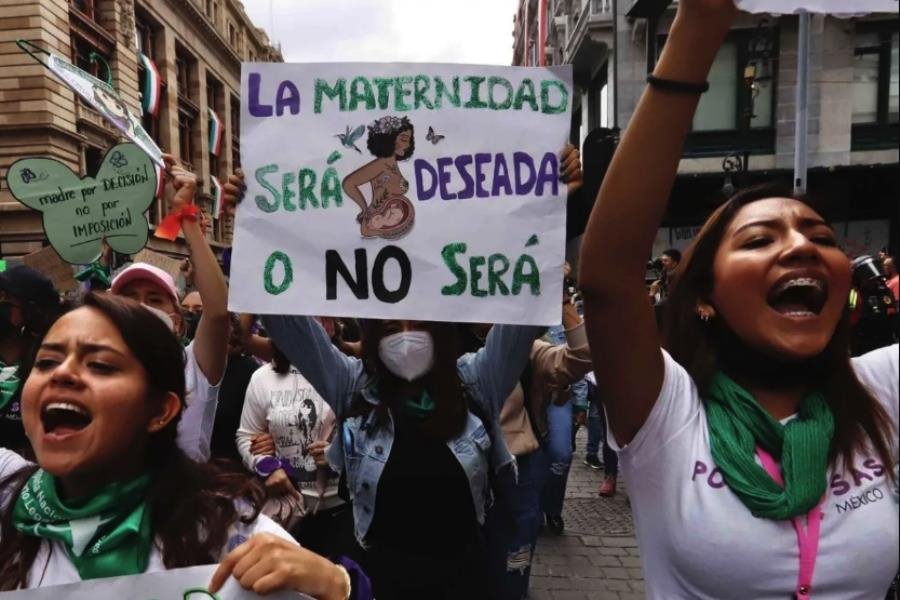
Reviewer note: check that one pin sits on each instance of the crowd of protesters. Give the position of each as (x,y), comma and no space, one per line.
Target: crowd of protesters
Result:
(143,427)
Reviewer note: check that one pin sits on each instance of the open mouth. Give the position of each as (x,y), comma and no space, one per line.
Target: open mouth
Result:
(799,297)
(63,418)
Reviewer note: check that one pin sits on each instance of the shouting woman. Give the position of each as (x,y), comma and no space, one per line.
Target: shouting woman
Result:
(111,493)
(759,457)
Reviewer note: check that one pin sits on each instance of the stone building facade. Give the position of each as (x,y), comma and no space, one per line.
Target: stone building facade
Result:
(197,47)
(746,121)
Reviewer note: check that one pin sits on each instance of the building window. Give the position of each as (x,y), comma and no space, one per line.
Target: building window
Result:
(876,78)
(186,122)
(185,67)
(737,113)
(86,7)
(232,35)
(235,132)
(93,158)
(86,57)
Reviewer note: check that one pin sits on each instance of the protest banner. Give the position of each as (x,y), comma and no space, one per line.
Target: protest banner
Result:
(99,95)
(419,191)
(47,262)
(80,212)
(177,584)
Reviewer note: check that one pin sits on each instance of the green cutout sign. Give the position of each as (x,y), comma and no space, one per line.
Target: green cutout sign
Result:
(79,213)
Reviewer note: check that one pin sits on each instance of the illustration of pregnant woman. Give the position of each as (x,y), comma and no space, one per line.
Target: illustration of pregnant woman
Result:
(390,215)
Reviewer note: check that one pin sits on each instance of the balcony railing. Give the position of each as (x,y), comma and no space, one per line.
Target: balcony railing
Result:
(591,13)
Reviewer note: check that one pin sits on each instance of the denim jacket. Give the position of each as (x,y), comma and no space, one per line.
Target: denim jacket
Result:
(362,450)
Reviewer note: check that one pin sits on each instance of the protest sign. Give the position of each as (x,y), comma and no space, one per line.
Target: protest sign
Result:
(79,213)
(419,191)
(170,265)
(99,95)
(833,7)
(47,262)
(177,584)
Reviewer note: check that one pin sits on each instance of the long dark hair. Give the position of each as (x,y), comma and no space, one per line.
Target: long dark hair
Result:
(703,348)
(191,504)
(442,382)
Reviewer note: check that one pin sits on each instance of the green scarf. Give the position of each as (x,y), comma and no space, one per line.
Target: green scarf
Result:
(738,424)
(422,407)
(105,536)
(9,383)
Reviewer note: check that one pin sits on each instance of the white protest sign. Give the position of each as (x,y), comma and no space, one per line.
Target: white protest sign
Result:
(409,191)
(177,584)
(832,7)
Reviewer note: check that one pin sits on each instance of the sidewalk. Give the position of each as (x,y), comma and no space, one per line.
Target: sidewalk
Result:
(597,557)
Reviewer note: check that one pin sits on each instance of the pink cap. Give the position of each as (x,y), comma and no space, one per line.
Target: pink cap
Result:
(145,272)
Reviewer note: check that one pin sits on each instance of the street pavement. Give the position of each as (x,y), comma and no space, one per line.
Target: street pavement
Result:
(596,558)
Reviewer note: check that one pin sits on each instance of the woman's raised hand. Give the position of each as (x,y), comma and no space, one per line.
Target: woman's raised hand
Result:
(266,563)
(570,168)
(233,191)
(182,187)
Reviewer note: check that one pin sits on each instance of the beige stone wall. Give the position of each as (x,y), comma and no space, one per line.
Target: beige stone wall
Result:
(41,116)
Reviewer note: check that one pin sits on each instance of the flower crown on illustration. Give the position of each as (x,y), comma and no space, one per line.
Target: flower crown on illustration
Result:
(389,124)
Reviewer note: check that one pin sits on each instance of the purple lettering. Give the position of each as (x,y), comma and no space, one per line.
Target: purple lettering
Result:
(548,173)
(288,97)
(716,484)
(256,109)
(422,167)
(876,467)
(462,162)
(481,159)
(699,468)
(501,176)
(839,487)
(444,177)
(521,161)
(858,476)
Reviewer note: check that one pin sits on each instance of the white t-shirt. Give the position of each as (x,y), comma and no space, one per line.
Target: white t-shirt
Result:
(199,415)
(53,567)
(289,409)
(698,540)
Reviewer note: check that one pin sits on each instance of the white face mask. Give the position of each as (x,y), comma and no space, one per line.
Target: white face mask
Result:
(164,317)
(408,354)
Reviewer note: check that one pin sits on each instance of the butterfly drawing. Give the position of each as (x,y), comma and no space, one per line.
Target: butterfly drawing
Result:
(433,137)
(348,138)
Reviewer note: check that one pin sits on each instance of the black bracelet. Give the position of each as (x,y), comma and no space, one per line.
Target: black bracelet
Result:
(679,87)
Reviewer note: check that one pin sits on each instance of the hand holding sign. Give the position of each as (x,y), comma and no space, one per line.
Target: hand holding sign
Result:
(79,213)
(266,563)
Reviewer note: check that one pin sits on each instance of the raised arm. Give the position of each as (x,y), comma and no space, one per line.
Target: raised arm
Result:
(621,328)
(211,340)
(331,372)
(497,367)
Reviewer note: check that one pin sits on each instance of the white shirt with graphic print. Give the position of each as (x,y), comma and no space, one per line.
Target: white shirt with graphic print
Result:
(288,408)
(698,541)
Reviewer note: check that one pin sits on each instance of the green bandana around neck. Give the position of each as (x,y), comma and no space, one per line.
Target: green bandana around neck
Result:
(106,535)
(738,424)
(9,383)
(421,407)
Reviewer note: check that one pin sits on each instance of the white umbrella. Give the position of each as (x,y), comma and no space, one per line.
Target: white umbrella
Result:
(803,8)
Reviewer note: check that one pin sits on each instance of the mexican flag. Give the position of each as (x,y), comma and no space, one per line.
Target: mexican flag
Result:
(152,89)
(216,132)
(216,191)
